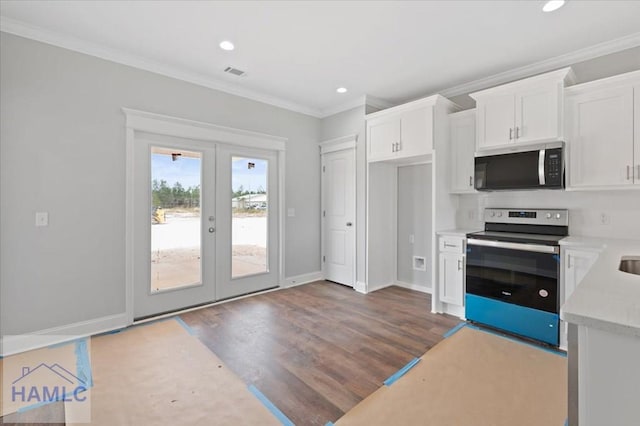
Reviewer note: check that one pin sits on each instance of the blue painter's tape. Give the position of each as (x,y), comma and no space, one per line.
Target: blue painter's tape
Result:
(274,410)
(454,329)
(391,380)
(329,424)
(83,372)
(83,364)
(566,422)
(185,326)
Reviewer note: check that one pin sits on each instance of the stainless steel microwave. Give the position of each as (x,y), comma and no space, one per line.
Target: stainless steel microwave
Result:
(535,168)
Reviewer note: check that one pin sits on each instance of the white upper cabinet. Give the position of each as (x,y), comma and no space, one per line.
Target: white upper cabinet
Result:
(525,111)
(405,131)
(603,148)
(462,131)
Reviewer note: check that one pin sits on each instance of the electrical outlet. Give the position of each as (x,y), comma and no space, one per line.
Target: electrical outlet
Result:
(42,219)
(604,219)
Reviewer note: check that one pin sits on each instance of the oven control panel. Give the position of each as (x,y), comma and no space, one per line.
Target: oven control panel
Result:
(559,217)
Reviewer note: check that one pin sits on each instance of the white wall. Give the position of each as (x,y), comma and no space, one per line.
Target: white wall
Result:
(352,122)
(414,218)
(621,209)
(62,148)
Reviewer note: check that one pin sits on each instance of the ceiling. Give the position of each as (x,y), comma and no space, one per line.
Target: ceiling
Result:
(296,53)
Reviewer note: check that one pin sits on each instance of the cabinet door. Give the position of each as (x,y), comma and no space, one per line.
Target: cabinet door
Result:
(538,114)
(382,136)
(416,132)
(600,137)
(636,136)
(463,142)
(577,264)
(496,118)
(451,278)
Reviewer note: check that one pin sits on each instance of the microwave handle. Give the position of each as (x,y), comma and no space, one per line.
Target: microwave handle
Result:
(541,174)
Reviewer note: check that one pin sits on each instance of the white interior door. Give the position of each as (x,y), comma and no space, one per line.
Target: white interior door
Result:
(339,209)
(174,209)
(247,221)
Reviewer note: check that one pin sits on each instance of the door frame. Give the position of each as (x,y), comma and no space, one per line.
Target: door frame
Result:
(137,122)
(342,143)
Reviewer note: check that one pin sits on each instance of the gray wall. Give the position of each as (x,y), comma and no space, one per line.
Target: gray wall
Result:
(352,122)
(62,148)
(414,218)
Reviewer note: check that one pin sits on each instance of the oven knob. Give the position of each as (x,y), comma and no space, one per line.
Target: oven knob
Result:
(543,293)
(558,215)
(548,215)
(492,214)
(499,214)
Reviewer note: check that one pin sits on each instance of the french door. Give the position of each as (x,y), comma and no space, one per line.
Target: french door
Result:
(205,223)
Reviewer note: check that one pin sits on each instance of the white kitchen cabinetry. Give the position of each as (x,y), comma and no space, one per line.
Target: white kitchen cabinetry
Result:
(403,132)
(462,130)
(525,111)
(451,273)
(575,265)
(603,129)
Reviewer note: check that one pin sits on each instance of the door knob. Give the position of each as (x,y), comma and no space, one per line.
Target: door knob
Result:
(349,224)
(212,230)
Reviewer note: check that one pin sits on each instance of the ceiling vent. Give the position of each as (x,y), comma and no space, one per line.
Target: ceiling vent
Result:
(234,71)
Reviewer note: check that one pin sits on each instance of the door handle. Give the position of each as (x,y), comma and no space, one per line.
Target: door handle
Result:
(510,133)
(517,132)
(349,224)
(459,265)
(628,172)
(470,180)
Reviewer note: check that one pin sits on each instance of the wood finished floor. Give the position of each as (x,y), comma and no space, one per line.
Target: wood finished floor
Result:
(317,350)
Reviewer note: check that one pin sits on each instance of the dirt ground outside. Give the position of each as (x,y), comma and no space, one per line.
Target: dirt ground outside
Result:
(176,255)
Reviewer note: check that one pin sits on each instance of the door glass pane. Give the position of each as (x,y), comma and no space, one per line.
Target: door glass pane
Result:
(249,205)
(175,218)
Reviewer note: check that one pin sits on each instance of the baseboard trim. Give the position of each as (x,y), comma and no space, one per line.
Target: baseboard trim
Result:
(360,287)
(420,288)
(303,279)
(376,287)
(13,344)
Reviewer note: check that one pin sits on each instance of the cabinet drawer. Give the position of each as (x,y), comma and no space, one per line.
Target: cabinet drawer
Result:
(451,244)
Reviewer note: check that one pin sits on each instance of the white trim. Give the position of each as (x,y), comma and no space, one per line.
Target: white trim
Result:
(422,102)
(13,344)
(591,52)
(185,128)
(360,287)
(355,103)
(303,279)
(338,144)
(372,288)
(32,32)
(415,287)
(628,78)
(565,75)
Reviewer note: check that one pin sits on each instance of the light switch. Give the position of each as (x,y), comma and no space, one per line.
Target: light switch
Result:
(291,212)
(42,219)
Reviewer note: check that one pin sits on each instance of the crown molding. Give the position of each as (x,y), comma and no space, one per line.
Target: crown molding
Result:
(597,50)
(22,29)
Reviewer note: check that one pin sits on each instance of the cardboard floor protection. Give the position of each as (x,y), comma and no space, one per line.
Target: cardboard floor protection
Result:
(159,374)
(472,378)
(26,375)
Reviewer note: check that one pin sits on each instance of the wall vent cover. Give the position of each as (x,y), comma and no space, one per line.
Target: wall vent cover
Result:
(419,263)
(234,71)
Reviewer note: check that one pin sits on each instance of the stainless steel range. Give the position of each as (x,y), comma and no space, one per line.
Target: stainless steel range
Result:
(513,272)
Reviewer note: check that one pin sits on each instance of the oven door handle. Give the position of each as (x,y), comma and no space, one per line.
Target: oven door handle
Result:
(514,246)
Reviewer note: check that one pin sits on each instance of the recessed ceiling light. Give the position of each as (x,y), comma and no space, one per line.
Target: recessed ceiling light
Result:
(552,5)
(226,45)
(341,90)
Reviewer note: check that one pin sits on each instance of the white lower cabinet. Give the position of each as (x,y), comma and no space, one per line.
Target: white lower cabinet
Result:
(608,377)
(575,265)
(451,278)
(451,274)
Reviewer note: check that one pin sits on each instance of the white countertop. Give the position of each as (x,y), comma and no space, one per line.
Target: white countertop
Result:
(607,298)
(458,232)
